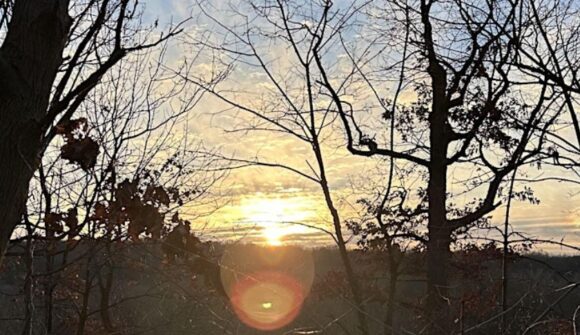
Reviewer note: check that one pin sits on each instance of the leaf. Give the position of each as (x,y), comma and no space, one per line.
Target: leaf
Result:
(100,212)
(67,128)
(53,222)
(83,152)
(126,191)
(145,219)
(157,194)
(71,220)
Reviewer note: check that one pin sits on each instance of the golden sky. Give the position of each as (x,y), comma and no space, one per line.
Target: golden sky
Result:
(269,205)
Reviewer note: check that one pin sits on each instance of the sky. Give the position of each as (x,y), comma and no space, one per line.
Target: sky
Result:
(268,205)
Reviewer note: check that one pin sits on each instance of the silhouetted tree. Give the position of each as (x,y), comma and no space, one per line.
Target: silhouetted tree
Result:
(53,54)
(292,103)
(148,168)
(472,109)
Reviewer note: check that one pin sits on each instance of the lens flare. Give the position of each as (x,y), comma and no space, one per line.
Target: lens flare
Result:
(267,286)
(267,300)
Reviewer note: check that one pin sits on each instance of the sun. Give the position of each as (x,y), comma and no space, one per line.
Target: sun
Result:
(277,217)
(273,235)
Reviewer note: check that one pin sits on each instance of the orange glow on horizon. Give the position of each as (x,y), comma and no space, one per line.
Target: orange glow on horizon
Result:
(273,236)
(278,217)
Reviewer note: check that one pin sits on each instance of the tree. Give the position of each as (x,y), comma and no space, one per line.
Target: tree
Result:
(291,105)
(53,54)
(86,220)
(553,57)
(470,112)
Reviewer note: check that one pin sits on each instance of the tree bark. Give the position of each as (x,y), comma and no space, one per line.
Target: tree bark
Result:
(29,59)
(504,260)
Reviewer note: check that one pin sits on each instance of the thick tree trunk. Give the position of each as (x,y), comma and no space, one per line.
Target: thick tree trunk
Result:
(29,59)
(438,246)
(438,253)
(438,259)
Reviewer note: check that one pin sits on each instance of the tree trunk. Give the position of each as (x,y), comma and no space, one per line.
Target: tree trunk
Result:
(350,276)
(438,246)
(106,286)
(29,283)
(438,256)
(504,260)
(29,59)
(389,327)
(84,312)
(438,259)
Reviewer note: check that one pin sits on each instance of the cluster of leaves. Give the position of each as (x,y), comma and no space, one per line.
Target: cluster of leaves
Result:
(140,203)
(412,119)
(501,123)
(500,118)
(79,148)
(526,195)
(457,210)
(556,327)
(480,301)
(56,222)
(462,118)
(179,241)
(397,218)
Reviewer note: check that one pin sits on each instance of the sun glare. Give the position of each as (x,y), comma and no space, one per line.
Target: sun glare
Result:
(277,217)
(273,235)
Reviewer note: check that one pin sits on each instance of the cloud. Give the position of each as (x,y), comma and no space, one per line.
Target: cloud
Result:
(223,127)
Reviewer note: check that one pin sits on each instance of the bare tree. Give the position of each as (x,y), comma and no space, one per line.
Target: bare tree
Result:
(470,112)
(291,104)
(53,54)
(138,116)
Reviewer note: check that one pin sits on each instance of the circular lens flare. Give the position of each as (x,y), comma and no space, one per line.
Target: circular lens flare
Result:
(266,286)
(267,300)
